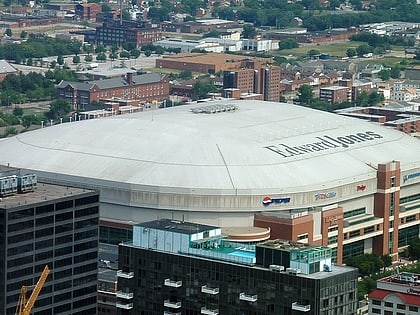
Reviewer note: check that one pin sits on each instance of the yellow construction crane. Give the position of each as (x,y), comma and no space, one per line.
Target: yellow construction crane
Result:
(25,305)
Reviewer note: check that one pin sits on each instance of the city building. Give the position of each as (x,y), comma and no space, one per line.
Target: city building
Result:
(88,11)
(200,25)
(256,80)
(48,225)
(115,32)
(178,267)
(143,87)
(335,94)
(208,62)
(6,69)
(396,294)
(401,116)
(223,162)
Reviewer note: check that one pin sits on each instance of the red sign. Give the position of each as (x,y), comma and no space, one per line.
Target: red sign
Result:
(361,187)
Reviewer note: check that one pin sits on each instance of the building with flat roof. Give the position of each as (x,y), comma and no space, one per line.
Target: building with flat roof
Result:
(207,62)
(335,94)
(42,224)
(113,32)
(396,294)
(223,162)
(178,267)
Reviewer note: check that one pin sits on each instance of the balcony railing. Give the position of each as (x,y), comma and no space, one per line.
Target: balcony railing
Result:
(126,306)
(124,295)
(247,297)
(207,311)
(127,275)
(170,304)
(299,307)
(208,290)
(174,284)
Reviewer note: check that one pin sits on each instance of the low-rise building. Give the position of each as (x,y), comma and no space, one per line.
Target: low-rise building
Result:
(207,62)
(144,87)
(335,94)
(87,11)
(6,69)
(396,294)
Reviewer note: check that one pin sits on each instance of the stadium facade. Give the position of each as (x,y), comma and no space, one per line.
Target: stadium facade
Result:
(326,179)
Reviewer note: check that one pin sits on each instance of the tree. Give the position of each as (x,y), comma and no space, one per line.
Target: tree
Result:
(60,60)
(351,52)
(58,109)
(362,99)
(313,52)
(101,57)
(148,53)
(395,72)
(364,49)
(124,54)
(100,49)
(113,56)
(212,33)
(17,111)
(288,43)
(88,58)
(106,7)
(185,75)
(249,31)
(414,249)
(76,59)
(9,32)
(134,53)
(385,74)
(305,94)
(23,34)
(201,89)
(375,98)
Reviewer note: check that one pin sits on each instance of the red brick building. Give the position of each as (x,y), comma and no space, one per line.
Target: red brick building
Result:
(140,33)
(88,11)
(335,94)
(345,231)
(147,87)
(256,80)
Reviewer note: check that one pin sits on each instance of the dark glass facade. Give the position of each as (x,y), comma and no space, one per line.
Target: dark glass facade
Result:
(169,283)
(54,226)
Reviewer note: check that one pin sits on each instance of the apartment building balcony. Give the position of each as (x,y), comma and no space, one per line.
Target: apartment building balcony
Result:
(123,305)
(171,304)
(207,311)
(299,307)
(127,275)
(124,295)
(248,297)
(209,290)
(173,284)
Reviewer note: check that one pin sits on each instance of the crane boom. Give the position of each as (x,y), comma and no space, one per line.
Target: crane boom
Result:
(25,306)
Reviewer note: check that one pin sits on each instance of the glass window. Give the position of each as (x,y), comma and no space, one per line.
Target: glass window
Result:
(388,304)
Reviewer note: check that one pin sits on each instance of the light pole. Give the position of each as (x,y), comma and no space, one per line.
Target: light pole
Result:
(42,124)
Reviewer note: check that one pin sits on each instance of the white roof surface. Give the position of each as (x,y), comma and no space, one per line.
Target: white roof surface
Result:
(177,148)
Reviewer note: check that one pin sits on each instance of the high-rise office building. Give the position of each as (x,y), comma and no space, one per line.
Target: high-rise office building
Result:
(49,225)
(175,267)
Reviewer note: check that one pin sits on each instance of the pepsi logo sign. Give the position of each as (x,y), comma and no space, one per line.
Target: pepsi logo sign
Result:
(268,200)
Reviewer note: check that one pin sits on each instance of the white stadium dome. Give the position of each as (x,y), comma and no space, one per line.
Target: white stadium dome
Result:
(214,163)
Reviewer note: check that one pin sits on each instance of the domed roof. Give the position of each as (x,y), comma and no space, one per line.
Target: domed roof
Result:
(249,146)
